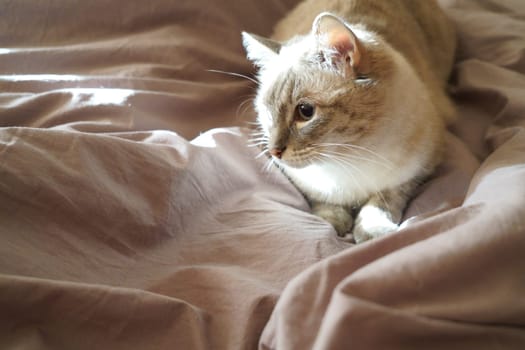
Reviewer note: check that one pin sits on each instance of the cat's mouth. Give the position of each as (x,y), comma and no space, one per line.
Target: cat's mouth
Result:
(294,159)
(294,163)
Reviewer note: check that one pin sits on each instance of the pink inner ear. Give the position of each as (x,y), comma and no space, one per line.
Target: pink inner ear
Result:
(340,41)
(343,42)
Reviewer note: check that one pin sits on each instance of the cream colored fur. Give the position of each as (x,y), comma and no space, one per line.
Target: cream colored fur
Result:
(374,73)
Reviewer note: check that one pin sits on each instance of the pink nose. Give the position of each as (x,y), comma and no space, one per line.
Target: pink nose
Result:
(277,152)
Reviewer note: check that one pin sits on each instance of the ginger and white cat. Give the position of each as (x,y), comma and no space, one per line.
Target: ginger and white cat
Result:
(352,104)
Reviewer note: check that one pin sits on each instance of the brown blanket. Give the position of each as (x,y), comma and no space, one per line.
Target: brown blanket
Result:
(121,229)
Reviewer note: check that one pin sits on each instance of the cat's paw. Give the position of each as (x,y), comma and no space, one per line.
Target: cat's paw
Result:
(338,216)
(372,222)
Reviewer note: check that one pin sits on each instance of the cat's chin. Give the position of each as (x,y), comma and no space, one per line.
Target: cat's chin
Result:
(294,164)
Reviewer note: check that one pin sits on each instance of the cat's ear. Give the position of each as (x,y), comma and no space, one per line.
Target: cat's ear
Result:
(260,50)
(338,43)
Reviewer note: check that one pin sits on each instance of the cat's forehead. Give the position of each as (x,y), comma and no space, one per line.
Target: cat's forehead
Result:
(279,88)
(292,55)
(304,79)
(293,75)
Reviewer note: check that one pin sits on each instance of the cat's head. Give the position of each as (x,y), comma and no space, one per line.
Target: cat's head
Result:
(320,90)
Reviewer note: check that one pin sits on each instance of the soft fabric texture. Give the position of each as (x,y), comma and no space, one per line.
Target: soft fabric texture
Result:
(125,224)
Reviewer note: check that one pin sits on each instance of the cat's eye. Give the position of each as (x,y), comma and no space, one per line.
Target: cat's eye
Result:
(305,111)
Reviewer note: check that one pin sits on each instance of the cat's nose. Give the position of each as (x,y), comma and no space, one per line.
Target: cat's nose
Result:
(277,152)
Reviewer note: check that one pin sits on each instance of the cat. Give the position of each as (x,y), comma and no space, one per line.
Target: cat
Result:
(353,107)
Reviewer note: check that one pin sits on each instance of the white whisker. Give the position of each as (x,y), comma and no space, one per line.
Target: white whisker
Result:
(344,164)
(234,74)
(356,148)
(353,156)
(259,138)
(262,153)
(244,104)
(257,143)
(269,165)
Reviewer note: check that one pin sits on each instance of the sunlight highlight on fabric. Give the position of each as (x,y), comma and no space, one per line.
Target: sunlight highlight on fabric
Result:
(41,77)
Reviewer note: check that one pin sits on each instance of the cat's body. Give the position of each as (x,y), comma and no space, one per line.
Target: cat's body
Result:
(353,107)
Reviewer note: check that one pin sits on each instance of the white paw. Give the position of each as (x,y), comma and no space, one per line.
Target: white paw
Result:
(372,222)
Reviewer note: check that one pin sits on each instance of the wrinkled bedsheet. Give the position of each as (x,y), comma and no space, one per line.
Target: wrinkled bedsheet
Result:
(133,215)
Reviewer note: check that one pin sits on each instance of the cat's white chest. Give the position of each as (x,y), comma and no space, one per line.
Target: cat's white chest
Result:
(337,184)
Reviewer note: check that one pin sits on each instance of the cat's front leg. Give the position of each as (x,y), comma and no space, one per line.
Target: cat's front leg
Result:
(337,215)
(382,213)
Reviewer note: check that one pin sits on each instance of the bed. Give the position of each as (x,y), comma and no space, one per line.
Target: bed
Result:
(133,215)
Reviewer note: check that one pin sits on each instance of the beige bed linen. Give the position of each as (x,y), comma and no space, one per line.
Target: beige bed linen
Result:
(122,228)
